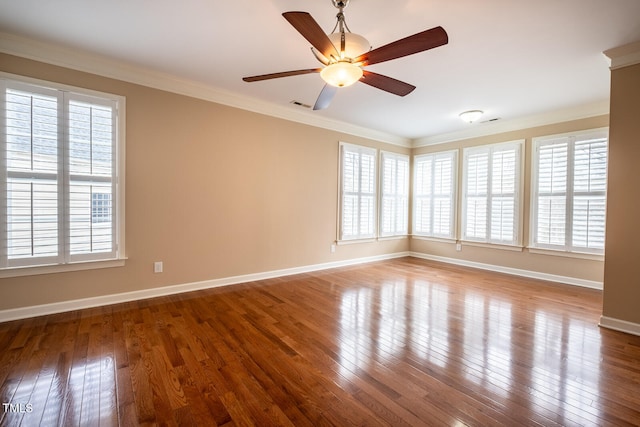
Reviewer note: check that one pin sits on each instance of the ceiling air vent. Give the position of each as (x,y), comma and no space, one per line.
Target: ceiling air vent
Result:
(300,104)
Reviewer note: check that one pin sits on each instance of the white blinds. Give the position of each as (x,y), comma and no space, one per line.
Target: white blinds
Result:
(476,195)
(570,179)
(504,178)
(91,172)
(358,192)
(434,194)
(394,210)
(492,175)
(589,193)
(32,174)
(58,168)
(552,193)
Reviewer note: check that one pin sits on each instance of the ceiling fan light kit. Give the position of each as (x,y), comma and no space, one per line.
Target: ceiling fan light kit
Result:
(344,55)
(341,74)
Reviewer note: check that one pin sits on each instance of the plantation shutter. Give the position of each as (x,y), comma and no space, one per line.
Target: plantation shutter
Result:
(443,194)
(394,209)
(491,193)
(91,166)
(552,193)
(504,180)
(358,193)
(33,175)
(476,195)
(58,186)
(434,194)
(589,193)
(423,192)
(570,192)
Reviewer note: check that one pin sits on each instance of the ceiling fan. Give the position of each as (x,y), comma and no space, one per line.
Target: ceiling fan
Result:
(345,54)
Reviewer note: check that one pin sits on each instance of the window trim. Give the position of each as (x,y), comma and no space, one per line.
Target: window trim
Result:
(518,225)
(567,250)
(80,262)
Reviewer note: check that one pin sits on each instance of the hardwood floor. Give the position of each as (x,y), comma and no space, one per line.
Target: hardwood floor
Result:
(401,342)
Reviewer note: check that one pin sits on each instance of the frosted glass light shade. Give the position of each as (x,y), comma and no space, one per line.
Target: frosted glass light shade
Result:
(471,115)
(341,74)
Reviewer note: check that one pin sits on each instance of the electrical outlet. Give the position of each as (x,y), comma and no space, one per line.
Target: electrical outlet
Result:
(458,247)
(157,267)
(333,248)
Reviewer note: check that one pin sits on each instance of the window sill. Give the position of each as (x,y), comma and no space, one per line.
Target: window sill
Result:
(355,241)
(370,239)
(514,248)
(60,268)
(567,254)
(434,239)
(396,237)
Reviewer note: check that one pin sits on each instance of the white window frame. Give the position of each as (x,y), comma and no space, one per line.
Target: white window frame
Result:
(64,260)
(492,197)
(394,194)
(570,139)
(431,195)
(360,194)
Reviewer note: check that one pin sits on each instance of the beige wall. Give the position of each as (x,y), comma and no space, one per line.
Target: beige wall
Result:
(622,278)
(212,191)
(583,269)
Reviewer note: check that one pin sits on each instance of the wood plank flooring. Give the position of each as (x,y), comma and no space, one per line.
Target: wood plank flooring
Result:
(404,342)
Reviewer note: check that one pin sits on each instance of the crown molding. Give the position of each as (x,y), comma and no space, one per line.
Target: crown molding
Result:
(98,65)
(485,129)
(623,56)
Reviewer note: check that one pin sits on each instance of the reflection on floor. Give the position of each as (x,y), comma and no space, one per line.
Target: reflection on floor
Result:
(401,342)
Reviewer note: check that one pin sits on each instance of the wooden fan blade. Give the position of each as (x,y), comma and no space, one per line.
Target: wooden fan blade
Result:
(310,30)
(325,97)
(387,84)
(407,46)
(282,74)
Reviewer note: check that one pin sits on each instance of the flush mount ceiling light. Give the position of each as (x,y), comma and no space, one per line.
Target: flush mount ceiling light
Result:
(471,115)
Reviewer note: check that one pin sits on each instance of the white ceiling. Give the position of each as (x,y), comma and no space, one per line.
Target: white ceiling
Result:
(511,58)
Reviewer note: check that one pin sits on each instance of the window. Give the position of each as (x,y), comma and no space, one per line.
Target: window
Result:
(491,188)
(59,166)
(101,207)
(434,194)
(358,192)
(394,210)
(569,192)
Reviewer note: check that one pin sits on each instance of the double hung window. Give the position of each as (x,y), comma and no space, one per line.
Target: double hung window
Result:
(358,192)
(59,172)
(434,194)
(491,189)
(569,192)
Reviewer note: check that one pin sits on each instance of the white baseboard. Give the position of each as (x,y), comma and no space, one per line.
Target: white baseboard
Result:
(60,307)
(620,325)
(515,271)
